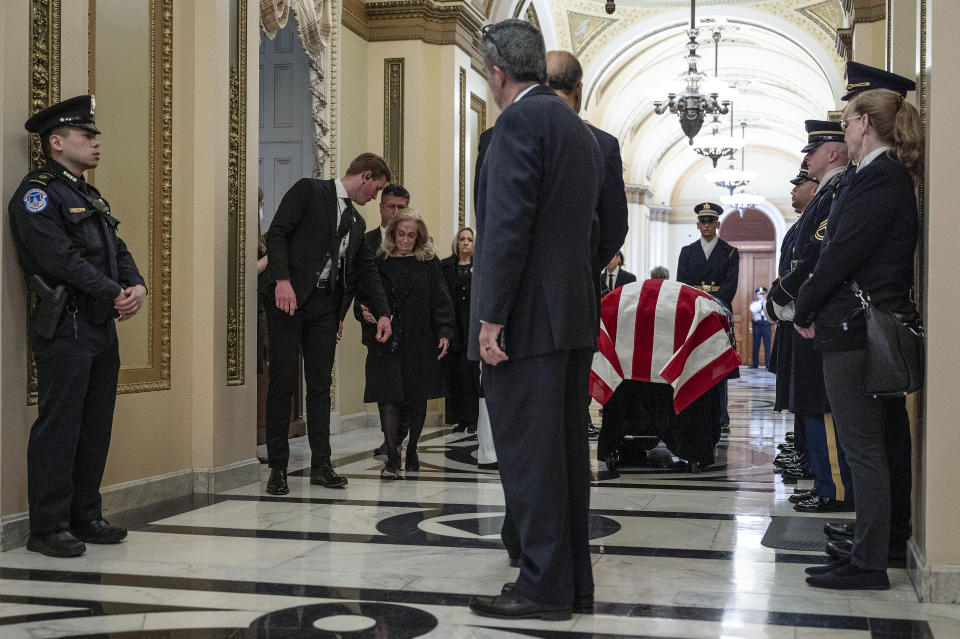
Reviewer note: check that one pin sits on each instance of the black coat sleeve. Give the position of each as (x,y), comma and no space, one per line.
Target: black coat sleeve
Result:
(289,214)
(612,209)
(683,267)
(731,278)
(441,308)
(371,287)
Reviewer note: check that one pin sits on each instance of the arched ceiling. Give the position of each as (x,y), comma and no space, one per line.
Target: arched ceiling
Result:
(780,55)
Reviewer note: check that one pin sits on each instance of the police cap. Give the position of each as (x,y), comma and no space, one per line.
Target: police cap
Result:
(803,176)
(708,209)
(820,131)
(75,112)
(860,77)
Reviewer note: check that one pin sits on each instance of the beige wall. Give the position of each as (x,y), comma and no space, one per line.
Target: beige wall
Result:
(200,424)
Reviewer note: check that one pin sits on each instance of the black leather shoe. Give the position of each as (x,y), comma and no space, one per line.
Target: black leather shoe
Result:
(513,605)
(839,549)
(413,460)
(802,495)
(828,567)
(839,531)
(850,577)
(470,429)
(325,475)
(380,452)
(98,531)
(459,428)
(277,484)
(582,604)
(821,504)
(56,544)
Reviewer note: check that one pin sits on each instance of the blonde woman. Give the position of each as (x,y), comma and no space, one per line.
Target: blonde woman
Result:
(404,372)
(461,375)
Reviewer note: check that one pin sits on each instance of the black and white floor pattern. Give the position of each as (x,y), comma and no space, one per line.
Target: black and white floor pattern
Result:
(676,555)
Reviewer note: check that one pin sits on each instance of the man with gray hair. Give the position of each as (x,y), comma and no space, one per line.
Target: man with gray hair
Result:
(532,323)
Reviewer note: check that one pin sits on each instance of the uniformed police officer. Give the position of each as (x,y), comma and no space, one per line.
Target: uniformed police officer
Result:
(713,266)
(826,160)
(83,278)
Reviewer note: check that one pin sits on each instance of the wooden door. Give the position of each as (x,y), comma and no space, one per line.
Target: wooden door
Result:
(757,268)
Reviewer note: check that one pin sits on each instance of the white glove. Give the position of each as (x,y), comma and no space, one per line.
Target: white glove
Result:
(784,313)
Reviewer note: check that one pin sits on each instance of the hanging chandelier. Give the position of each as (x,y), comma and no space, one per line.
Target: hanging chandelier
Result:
(741,200)
(732,178)
(691,107)
(717,146)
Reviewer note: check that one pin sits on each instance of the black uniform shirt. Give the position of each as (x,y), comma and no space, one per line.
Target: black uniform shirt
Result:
(64,232)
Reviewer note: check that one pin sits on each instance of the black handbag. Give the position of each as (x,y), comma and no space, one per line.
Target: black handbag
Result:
(894,350)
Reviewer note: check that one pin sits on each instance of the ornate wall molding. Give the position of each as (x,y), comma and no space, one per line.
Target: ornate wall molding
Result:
(638,193)
(237,197)
(44,71)
(393,116)
(479,106)
(432,21)
(660,213)
(462,157)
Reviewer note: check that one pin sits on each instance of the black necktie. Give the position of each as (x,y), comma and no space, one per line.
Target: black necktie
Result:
(345,219)
(609,281)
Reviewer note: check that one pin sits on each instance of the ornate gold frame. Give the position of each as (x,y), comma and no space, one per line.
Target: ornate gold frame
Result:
(462,180)
(393,116)
(44,69)
(237,203)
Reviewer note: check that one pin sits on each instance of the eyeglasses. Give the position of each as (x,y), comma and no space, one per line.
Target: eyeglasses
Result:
(843,123)
(485,33)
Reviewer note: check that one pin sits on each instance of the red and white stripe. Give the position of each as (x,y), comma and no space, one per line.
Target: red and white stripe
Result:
(664,332)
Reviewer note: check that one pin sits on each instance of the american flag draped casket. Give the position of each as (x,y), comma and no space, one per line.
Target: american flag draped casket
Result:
(664,332)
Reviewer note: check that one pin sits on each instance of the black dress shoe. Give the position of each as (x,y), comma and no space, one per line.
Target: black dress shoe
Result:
(459,428)
(839,548)
(513,605)
(325,475)
(839,531)
(821,504)
(98,531)
(850,577)
(277,484)
(828,567)
(56,544)
(802,495)
(470,429)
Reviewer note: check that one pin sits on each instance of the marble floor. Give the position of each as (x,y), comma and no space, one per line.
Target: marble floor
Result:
(675,555)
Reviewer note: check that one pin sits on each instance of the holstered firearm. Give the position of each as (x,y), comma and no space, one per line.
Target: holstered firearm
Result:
(46,314)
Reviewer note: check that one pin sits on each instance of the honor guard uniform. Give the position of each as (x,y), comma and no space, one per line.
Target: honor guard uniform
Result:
(833,485)
(80,274)
(713,266)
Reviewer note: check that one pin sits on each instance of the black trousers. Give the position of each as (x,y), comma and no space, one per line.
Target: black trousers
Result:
(67,450)
(761,333)
(537,415)
(312,330)
(462,379)
(875,435)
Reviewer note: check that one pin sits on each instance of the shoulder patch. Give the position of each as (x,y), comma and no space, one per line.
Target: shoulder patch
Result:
(35,200)
(818,234)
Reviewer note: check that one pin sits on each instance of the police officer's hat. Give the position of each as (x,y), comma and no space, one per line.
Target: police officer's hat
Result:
(760,291)
(860,77)
(708,209)
(803,175)
(820,131)
(75,112)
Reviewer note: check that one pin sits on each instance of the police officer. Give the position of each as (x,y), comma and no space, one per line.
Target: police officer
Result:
(761,327)
(83,278)
(713,266)
(826,160)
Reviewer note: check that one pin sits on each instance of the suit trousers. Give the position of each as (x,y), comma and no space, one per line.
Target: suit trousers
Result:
(872,432)
(313,330)
(537,415)
(67,450)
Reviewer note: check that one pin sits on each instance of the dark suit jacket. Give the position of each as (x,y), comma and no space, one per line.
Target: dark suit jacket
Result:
(623,277)
(370,245)
(303,236)
(722,269)
(611,228)
(537,194)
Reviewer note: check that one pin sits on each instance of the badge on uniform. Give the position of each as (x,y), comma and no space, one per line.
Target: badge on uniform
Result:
(35,200)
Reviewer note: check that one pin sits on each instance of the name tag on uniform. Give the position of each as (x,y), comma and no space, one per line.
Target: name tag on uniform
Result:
(80,210)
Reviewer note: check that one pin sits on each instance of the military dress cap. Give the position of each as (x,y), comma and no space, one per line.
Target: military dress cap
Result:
(803,175)
(860,77)
(761,291)
(820,131)
(76,112)
(708,209)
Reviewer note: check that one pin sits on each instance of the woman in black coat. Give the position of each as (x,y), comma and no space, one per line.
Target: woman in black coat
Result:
(462,376)
(404,372)
(869,240)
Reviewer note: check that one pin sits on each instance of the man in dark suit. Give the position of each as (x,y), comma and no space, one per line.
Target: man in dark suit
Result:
(316,267)
(532,323)
(713,266)
(614,275)
(393,199)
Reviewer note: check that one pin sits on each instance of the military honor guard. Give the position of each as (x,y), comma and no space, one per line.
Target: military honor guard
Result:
(83,278)
(826,160)
(713,266)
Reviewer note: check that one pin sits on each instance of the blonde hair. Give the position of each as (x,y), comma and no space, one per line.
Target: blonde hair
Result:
(455,245)
(423,248)
(896,121)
